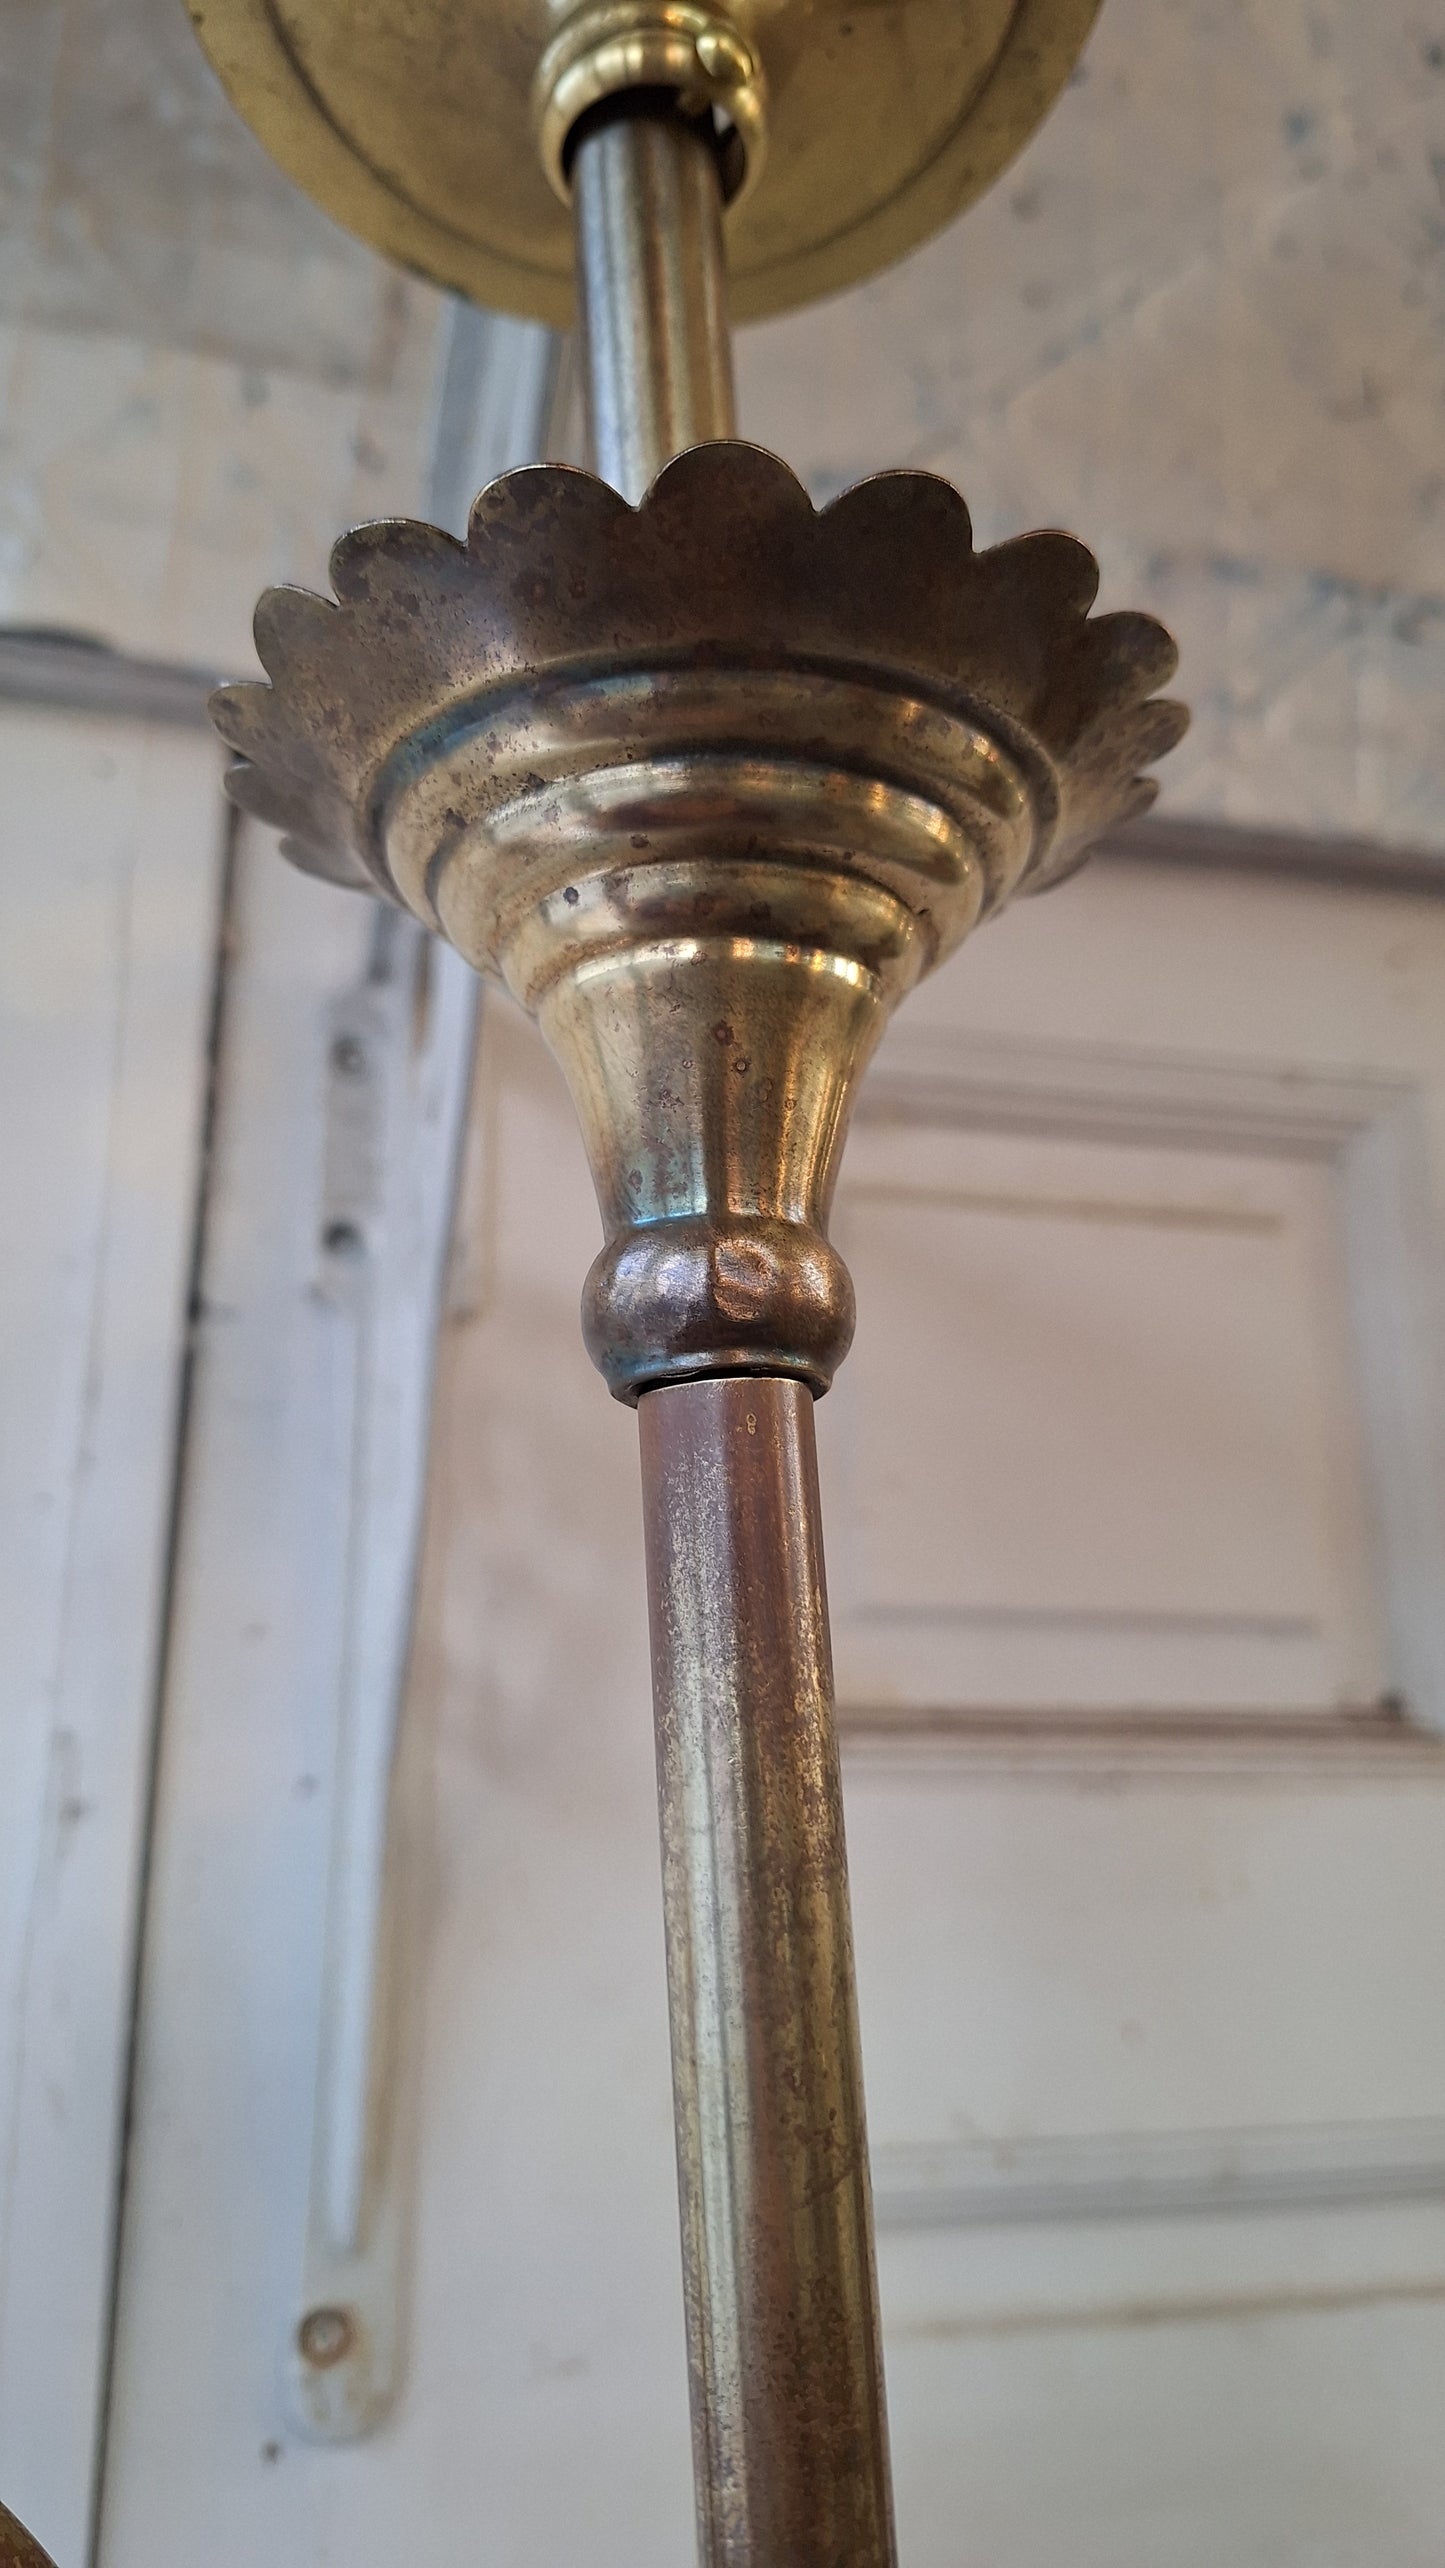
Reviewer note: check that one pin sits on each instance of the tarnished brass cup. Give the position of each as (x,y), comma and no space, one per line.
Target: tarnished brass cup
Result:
(709,784)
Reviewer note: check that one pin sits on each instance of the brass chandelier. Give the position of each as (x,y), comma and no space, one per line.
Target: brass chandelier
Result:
(709,779)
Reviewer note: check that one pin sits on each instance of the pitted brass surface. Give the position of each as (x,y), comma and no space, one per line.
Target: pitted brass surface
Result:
(709,784)
(416,124)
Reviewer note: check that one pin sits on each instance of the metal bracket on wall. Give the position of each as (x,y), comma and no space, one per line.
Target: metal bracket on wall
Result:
(398,1055)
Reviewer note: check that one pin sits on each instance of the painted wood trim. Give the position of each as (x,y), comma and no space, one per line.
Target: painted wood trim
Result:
(1309,856)
(1142,1749)
(73,674)
(1164,2175)
(91,1723)
(1370,1132)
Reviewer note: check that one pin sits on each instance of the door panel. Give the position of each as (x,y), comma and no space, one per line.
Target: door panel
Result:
(111,839)
(1133,1486)
(1098,1446)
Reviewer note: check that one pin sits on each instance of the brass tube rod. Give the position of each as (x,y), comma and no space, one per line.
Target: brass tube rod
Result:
(652,289)
(789,2433)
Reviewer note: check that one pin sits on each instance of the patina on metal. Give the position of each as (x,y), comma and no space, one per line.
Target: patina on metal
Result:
(710,809)
(710,781)
(782,2314)
(439,135)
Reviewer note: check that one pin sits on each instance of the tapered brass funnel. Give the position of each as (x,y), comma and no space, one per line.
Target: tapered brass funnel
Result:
(710,808)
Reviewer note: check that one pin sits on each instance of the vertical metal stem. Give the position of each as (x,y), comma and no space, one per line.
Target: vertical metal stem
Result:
(789,2435)
(652,289)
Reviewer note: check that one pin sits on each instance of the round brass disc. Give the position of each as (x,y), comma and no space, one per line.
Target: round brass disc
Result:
(411,122)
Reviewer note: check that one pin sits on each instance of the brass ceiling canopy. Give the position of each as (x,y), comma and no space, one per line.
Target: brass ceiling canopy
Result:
(438,133)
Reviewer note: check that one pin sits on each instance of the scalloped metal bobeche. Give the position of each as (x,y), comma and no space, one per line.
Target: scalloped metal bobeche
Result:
(710,784)
(726,567)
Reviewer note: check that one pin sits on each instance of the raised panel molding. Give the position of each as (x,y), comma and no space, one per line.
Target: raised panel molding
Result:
(1368,1133)
(1159,2175)
(997,1085)
(1119,1751)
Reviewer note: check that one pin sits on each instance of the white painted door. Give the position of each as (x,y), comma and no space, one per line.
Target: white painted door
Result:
(149,488)
(1134,1500)
(111,845)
